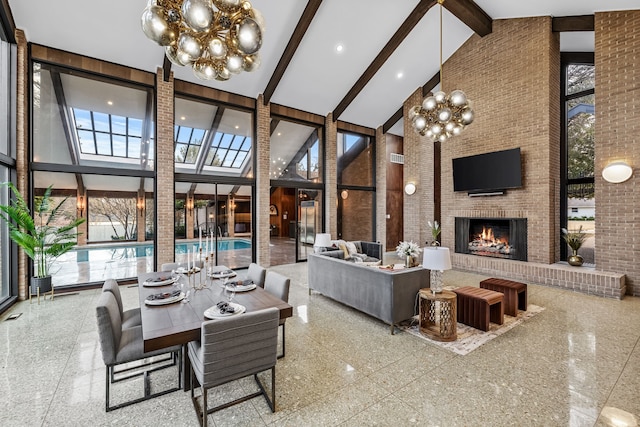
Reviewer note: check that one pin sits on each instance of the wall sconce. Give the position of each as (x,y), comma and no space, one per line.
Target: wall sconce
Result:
(410,188)
(344,194)
(140,205)
(617,172)
(80,204)
(189,205)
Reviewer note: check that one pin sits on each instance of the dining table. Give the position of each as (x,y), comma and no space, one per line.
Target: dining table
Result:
(180,322)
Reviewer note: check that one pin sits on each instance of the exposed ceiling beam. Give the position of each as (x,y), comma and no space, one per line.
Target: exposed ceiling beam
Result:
(431,84)
(472,15)
(573,23)
(272,127)
(401,33)
(166,68)
(206,144)
(303,24)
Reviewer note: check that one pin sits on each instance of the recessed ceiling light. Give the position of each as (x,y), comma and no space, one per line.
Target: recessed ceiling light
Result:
(279,134)
(399,75)
(183,118)
(237,127)
(110,102)
(339,48)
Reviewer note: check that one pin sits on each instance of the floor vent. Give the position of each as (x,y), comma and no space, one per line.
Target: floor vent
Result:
(397,158)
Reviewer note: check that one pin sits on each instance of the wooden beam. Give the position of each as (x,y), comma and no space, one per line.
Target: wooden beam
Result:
(392,120)
(573,23)
(431,84)
(166,68)
(471,14)
(350,127)
(297,36)
(401,33)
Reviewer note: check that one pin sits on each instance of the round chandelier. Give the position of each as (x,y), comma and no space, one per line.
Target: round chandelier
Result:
(442,116)
(217,38)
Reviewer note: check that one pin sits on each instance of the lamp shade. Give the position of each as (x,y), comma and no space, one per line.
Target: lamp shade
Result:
(436,258)
(617,172)
(323,240)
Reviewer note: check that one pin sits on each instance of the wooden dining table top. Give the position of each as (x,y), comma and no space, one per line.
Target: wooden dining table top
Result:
(179,323)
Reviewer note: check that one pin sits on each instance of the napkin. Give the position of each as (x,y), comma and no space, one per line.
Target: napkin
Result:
(244,282)
(163,295)
(159,279)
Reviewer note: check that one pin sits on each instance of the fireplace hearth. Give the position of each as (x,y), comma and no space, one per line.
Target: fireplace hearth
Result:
(504,238)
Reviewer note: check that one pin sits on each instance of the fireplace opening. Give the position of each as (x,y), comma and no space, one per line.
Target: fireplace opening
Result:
(492,237)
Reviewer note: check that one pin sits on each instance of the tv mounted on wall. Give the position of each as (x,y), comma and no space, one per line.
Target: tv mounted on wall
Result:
(489,173)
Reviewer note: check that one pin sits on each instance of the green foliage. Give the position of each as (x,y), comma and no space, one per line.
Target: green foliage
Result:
(37,236)
(574,238)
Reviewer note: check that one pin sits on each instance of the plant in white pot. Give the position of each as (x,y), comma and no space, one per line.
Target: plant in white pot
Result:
(37,235)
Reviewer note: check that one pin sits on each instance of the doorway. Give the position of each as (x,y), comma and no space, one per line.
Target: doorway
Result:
(295,216)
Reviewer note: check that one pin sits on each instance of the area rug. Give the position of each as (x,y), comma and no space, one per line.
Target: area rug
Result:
(471,338)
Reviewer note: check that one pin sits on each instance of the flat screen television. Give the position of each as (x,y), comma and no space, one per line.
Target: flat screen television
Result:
(489,172)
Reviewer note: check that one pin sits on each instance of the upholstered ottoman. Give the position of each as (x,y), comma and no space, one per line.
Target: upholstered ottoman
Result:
(477,307)
(515,294)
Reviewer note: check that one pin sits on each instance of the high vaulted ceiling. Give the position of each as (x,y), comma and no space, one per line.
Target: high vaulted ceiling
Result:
(365,83)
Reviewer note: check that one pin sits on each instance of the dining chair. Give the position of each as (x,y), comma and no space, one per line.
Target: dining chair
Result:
(278,285)
(120,346)
(231,348)
(256,274)
(130,317)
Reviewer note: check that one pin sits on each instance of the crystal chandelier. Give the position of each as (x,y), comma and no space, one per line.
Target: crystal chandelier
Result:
(441,116)
(217,38)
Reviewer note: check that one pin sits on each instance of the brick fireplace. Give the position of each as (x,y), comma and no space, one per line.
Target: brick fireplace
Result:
(504,238)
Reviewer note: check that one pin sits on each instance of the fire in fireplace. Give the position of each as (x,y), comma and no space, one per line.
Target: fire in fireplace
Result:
(492,237)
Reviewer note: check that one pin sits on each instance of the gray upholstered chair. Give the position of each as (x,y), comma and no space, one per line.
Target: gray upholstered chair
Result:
(231,348)
(130,317)
(120,346)
(278,285)
(256,274)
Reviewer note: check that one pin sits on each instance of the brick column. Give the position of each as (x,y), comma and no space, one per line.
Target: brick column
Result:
(262,151)
(331,176)
(418,168)
(381,187)
(164,167)
(22,142)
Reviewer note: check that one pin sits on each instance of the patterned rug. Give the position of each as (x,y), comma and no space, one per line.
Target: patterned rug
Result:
(471,338)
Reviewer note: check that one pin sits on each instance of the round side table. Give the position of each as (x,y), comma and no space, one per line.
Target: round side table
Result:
(438,315)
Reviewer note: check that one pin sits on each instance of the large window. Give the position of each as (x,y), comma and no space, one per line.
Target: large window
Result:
(578,201)
(356,186)
(296,151)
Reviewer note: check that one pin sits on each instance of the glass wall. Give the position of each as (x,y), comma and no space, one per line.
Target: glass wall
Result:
(93,140)
(356,186)
(578,201)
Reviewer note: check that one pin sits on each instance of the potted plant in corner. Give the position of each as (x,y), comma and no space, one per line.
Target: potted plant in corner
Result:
(574,239)
(37,235)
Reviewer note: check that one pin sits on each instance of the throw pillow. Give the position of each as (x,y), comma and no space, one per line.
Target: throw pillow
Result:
(345,251)
(358,246)
(352,248)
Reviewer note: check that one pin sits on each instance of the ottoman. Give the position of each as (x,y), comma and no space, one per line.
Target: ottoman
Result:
(477,307)
(515,294)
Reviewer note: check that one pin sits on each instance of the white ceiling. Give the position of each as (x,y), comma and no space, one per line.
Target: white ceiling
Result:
(318,77)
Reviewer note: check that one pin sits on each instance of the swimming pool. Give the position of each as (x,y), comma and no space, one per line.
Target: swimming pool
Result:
(140,250)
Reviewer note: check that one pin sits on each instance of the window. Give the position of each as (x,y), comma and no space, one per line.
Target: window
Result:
(296,153)
(578,206)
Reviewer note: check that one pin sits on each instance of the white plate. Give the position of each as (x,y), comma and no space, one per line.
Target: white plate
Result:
(242,288)
(222,274)
(150,283)
(214,312)
(166,300)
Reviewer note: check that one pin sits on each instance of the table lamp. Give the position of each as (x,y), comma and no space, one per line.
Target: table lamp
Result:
(323,240)
(437,260)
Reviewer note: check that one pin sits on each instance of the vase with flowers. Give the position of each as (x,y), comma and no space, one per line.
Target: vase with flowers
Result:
(408,251)
(575,239)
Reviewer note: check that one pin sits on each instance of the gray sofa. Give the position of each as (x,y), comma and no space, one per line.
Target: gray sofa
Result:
(372,250)
(386,295)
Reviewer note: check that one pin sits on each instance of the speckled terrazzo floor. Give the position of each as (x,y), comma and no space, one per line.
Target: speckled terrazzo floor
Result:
(574,364)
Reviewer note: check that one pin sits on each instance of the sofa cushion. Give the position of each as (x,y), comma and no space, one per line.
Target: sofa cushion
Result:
(351,247)
(358,246)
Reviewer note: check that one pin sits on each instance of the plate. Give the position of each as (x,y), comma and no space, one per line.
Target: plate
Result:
(214,312)
(222,274)
(243,288)
(165,301)
(150,283)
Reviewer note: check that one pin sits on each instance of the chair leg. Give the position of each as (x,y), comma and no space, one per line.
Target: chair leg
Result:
(107,378)
(205,412)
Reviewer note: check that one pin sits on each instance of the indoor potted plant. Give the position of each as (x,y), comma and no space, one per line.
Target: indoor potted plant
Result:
(37,235)
(574,239)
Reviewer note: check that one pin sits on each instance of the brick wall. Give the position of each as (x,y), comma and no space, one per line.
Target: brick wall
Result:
(262,150)
(357,221)
(617,62)
(331,176)
(165,207)
(418,168)
(22,144)
(381,187)
(512,78)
